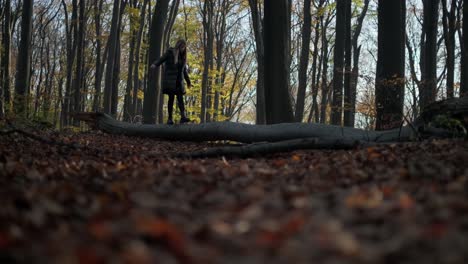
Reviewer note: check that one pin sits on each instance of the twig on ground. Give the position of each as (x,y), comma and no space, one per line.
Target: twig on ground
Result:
(276,147)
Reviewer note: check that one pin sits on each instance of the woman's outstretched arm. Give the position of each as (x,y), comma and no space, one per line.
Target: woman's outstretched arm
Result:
(160,60)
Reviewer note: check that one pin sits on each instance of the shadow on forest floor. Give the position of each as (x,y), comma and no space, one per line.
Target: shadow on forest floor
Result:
(122,200)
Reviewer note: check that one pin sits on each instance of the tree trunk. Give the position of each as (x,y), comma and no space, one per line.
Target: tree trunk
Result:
(170,23)
(59,101)
(257,29)
(71,27)
(356,54)
(464,63)
(316,73)
(261,149)
(39,77)
(390,83)
(246,133)
(431,15)
(220,34)
(24,60)
(208,13)
(112,42)
(304,61)
(77,83)
(98,77)
(449,25)
(349,104)
(136,74)
(116,77)
(131,59)
(324,87)
(5,57)
(277,98)
(338,63)
(49,83)
(153,91)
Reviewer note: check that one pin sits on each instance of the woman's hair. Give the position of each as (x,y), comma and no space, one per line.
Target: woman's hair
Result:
(183,54)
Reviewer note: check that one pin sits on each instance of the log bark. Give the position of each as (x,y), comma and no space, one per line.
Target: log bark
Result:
(261,149)
(285,137)
(243,133)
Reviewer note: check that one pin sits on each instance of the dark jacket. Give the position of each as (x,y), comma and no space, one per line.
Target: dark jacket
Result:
(173,82)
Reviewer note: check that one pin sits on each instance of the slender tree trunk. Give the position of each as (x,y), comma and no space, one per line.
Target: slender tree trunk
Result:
(131,60)
(116,68)
(170,23)
(220,32)
(324,86)
(166,39)
(129,87)
(112,42)
(464,63)
(277,98)
(77,83)
(59,100)
(116,78)
(24,60)
(153,91)
(39,77)
(98,77)
(390,83)
(5,65)
(349,104)
(208,10)
(304,61)
(356,54)
(49,83)
(449,26)
(71,27)
(315,73)
(338,63)
(136,74)
(431,15)
(257,26)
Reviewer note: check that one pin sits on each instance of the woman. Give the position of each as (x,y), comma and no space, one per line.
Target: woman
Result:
(175,61)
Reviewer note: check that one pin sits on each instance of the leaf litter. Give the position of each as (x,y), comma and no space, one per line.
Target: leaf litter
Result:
(125,200)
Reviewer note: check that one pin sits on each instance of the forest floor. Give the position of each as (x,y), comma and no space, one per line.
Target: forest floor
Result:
(124,200)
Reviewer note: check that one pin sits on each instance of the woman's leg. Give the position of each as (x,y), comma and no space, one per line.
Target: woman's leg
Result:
(180,103)
(170,106)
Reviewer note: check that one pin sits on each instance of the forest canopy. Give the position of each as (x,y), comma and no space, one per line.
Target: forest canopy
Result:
(68,56)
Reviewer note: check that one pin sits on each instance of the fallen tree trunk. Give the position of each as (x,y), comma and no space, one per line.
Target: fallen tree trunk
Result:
(244,133)
(259,149)
(287,136)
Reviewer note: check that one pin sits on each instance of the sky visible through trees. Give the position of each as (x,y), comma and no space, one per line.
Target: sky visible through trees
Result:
(229,85)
